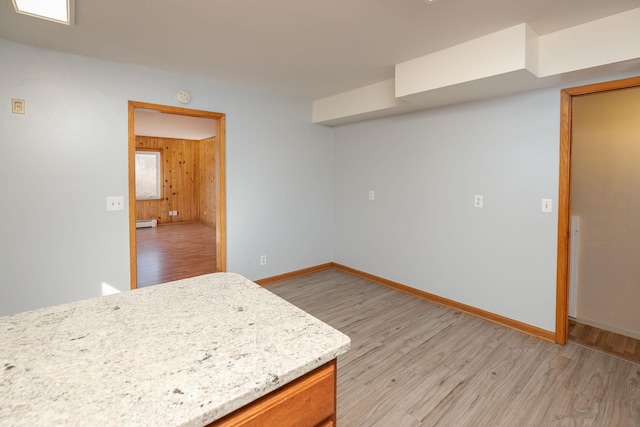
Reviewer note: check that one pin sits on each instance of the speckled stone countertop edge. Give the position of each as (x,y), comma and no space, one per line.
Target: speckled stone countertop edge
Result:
(184,353)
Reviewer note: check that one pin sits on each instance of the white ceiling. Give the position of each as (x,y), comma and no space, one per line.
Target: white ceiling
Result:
(156,123)
(301,48)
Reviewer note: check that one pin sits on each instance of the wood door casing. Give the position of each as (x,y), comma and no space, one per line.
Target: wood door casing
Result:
(218,174)
(564,194)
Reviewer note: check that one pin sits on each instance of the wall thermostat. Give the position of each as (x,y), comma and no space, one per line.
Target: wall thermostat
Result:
(183,96)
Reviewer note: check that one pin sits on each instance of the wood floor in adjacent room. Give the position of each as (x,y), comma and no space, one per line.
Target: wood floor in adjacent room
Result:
(415,363)
(175,251)
(610,342)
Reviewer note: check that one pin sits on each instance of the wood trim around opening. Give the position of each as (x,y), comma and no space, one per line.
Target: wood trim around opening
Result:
(564,194)
(221,194)
(219,177)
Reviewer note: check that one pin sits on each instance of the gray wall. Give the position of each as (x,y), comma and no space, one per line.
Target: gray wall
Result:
(606,196)
(69,152)
(422,229)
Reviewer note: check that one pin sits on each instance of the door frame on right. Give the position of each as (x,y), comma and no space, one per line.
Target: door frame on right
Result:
(564,194)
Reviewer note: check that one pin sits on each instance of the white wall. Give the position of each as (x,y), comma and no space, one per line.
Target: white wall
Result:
(69,152)
(422,229)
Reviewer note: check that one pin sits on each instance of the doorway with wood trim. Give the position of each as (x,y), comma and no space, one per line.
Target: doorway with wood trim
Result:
(564,194)
(191,174)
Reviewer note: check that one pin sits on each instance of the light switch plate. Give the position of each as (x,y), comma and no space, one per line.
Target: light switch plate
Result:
(17,106)
(547,205)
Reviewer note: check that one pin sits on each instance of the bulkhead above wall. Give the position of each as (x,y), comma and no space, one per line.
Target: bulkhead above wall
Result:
(505,62)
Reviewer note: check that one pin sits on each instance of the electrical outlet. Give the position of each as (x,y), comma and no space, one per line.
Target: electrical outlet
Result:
(263,260)
(372,195)
(477,201)
(115,203)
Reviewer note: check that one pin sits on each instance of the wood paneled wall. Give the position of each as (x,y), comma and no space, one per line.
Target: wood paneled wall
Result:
(207,181)
(187,181)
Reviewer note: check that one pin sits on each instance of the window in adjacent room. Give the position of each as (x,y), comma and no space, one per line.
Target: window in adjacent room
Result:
(148,175)
(52,10)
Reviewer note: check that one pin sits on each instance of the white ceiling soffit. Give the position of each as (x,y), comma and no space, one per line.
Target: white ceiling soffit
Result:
(509,61)
(304,49)
(163,125)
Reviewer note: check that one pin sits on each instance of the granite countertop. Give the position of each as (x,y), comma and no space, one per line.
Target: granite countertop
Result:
(183,353)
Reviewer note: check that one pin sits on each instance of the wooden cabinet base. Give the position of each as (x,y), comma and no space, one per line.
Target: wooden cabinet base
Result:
(309,401)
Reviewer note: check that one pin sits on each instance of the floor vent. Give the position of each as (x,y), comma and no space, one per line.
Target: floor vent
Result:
(146,223)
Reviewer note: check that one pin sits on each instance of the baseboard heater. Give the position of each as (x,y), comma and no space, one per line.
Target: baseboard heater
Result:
(146,223)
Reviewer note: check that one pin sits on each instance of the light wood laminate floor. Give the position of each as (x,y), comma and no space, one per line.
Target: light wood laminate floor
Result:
(414,363)
(175,251)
